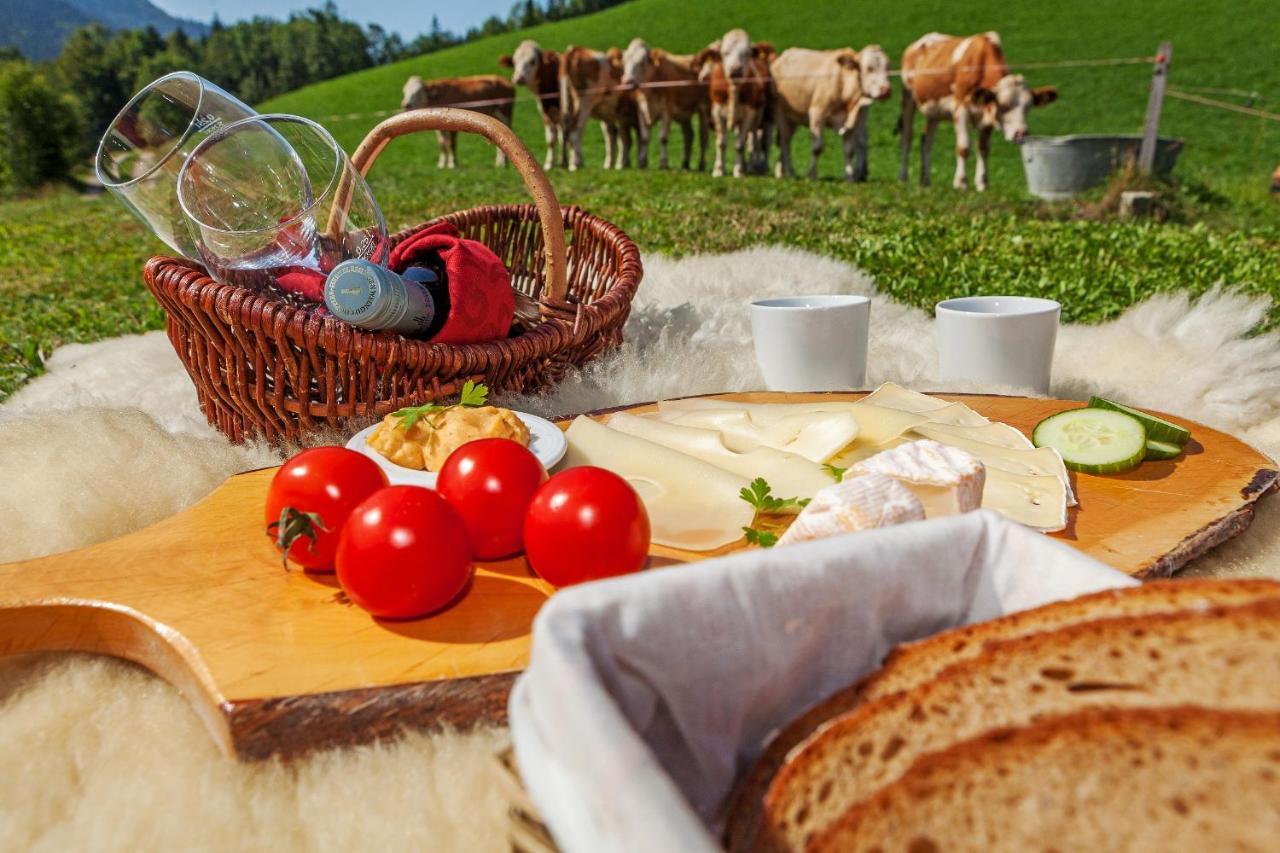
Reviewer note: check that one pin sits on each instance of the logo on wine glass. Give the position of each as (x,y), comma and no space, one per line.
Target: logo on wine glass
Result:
(208,122)
(364,249)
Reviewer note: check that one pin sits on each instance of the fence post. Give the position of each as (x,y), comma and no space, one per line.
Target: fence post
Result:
(1151,130)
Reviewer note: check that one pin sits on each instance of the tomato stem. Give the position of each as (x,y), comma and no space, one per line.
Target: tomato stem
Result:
(294,524)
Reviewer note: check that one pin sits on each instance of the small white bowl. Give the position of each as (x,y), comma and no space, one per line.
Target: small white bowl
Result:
(546,441)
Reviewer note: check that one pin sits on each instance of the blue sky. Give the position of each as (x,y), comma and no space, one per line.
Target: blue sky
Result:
(402,16)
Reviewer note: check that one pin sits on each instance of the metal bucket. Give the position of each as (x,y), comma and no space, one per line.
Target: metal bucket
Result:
(1058,167)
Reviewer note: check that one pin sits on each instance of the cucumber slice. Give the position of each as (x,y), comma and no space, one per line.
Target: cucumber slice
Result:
(1158,429)
(1162,450)
(1094,441)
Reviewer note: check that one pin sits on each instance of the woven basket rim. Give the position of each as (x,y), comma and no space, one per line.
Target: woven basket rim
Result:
(232,299)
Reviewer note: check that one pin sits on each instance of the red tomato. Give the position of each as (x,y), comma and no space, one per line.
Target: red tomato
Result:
(403,553)
(311,496)
(490,483)
(585,524)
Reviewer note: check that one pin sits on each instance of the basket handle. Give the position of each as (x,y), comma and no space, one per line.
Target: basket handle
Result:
(467,121)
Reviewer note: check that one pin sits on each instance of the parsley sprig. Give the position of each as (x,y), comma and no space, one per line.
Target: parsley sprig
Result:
(473,394)
(759,494)
(836,472)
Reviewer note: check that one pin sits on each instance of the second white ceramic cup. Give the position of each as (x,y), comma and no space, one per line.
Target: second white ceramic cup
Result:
(998,340)
(812,343)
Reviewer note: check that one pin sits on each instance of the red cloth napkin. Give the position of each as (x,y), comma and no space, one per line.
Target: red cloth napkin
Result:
(482,305)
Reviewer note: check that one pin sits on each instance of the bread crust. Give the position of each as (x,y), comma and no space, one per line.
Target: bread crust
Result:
(1147,660)
(1193,753)
(914,663)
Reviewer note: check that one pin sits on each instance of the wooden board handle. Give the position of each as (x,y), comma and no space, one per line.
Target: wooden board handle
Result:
(467,121)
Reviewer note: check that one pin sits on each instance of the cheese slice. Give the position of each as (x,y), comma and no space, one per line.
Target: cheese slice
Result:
(1038,460)
(893,396)
(1001,435)
(945,479)
(1036,500)
(788,475)
(817,436)
(856,503)
(691,504)
(876,424)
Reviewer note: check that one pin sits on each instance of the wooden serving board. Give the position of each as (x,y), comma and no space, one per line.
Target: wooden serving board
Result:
(276,662)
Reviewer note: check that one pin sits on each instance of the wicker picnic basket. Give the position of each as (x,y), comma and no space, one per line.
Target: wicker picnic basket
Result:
(264,369)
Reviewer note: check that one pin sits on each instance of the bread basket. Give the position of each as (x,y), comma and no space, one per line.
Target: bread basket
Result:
(266,370)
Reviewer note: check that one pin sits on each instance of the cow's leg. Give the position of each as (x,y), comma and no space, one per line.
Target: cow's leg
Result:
(984,148)
(550,135)
(722,143)
(704,128)
(576,128)
(609,132)
(664,139)
(859,134)
(451,143)
(926,149)
(961,119)
(783,168)
(443,141)
(815,142)
(906,123)
(741,145)
(686,137)
(499,158)
(643,131)
(622,152)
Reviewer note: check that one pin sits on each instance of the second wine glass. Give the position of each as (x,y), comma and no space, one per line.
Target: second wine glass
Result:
(273,203)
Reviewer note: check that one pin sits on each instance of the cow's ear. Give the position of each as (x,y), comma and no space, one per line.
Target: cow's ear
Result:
(982,97)
(550,56)
(657,55)
(505,62)
(707,54)
(762,49)
(1044,95)
(614,54)
(847,59)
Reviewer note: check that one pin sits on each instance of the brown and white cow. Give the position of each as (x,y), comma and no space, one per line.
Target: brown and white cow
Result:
(828,88)
(486,93)
(667,89)
(966,81)
(539,71)
(741,92)
(591,88)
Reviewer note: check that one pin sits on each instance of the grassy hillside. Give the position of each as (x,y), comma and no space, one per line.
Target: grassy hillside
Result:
(1217,46)
(69,265)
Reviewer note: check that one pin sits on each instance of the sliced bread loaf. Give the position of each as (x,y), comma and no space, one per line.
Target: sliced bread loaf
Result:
(1159,780)
(1227,658)
(918,662)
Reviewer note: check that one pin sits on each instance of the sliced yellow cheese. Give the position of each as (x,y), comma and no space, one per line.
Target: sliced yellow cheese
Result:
(1038,460)
(691,504)
(1001,435)
(817,436)
(893,396)
(1036,500)
(788,475)
(876,424)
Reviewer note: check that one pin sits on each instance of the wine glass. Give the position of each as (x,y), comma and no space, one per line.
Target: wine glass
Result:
(142,151)
(273,203)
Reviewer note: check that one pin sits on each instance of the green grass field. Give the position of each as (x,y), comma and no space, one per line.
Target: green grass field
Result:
(69,266)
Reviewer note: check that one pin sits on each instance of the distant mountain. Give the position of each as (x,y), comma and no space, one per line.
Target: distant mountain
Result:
(38,27)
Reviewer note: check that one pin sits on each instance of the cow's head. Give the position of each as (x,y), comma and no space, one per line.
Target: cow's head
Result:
(1007,104)
(736,52)
(414,94)
(524,63)
(636,61)
(873,64)
(705,60)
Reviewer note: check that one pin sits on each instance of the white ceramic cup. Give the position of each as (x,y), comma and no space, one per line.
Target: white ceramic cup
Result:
(812,343)
(998,340)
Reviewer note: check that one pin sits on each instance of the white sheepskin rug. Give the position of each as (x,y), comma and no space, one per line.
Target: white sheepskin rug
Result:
(97,754)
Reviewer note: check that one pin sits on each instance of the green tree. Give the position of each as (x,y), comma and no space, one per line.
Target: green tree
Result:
(40,128)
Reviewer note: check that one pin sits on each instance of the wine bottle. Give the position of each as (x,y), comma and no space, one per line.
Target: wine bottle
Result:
(364,294)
